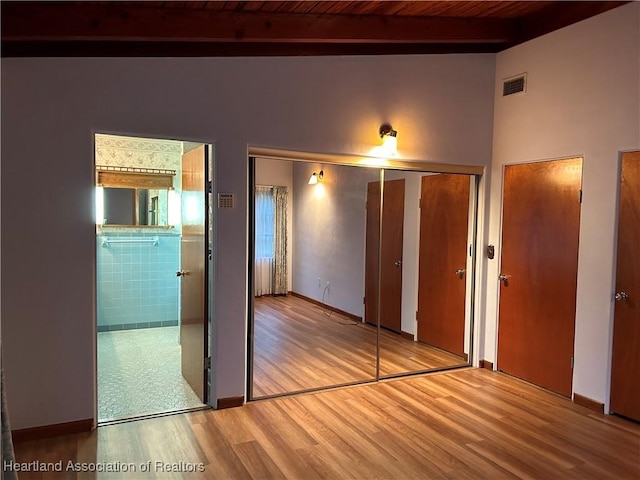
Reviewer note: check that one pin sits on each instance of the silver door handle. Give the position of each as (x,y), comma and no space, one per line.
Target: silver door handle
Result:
(460,272)
(182,273)
(398,263)
(504,278)
(619,296)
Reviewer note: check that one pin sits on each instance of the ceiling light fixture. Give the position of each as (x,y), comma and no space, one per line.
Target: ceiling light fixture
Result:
(316,177)
(389,138)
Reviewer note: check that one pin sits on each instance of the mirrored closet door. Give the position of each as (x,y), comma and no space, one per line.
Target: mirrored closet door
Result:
(308,270)
(350,274)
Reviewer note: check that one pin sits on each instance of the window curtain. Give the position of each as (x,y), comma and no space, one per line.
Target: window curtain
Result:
(280,241)
(264,231)
(270,271)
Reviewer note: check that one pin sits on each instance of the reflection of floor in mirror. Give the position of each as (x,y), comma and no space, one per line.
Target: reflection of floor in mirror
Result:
(139,374)
(400,355)
(299,346)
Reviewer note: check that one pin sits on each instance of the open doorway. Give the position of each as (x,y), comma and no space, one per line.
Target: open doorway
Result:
(152,274)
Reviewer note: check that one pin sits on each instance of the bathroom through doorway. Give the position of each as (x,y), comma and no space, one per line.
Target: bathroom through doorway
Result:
(152,275)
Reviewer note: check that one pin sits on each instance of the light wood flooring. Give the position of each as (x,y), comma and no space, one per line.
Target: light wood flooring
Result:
(299,345)
(462,424)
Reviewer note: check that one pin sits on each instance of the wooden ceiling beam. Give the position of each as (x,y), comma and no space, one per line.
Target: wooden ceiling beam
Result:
(227,49)
(102,21)
(558,15)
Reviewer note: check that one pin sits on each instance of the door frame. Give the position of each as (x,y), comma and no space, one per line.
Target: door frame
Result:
(210,264)
(475,294)
(498,249)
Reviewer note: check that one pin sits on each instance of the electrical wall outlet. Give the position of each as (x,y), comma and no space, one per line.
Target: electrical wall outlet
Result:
(319,282)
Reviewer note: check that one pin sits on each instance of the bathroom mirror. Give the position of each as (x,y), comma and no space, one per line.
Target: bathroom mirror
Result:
(135,206)
(134,198)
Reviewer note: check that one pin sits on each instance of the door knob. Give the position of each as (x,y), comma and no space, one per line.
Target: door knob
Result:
(504,278)
(619,296)
(182,273)
(460,272)
(397,263)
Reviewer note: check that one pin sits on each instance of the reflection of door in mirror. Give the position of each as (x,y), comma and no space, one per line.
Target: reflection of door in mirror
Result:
(153,211)
(389,272)
(142,208)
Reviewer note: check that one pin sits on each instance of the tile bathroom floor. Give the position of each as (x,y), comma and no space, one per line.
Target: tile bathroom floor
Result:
(139,374)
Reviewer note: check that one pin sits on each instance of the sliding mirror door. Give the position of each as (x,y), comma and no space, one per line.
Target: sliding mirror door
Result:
(358,274)
(309,274)
(426,271)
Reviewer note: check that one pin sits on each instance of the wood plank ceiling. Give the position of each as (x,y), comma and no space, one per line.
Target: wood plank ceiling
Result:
(221,28)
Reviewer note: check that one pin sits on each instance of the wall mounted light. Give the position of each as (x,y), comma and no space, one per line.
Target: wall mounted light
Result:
(389,139)
(316,177)
(174,209)
(99,205)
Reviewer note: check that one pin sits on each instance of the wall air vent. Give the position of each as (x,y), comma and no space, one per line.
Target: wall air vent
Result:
(514,85)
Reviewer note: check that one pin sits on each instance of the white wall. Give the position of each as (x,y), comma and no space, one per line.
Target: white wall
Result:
(410,246)
(280,173)
(329,226)
(582,99)
(442,107)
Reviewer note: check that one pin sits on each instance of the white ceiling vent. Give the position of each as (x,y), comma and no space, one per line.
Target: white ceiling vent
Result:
(514,85)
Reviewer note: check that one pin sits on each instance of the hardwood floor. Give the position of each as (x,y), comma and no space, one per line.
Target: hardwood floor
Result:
(299,346)
(469,423)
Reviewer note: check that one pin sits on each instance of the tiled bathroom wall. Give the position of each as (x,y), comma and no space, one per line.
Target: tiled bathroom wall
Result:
(137,286)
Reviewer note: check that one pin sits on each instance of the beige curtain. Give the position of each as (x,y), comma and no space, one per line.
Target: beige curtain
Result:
(264,213)
(263,276)
(280,241)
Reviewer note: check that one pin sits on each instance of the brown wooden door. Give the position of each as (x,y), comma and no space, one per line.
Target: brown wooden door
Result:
(391,254)
(540,232)
(193,319)
(625,368)
(444,220)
